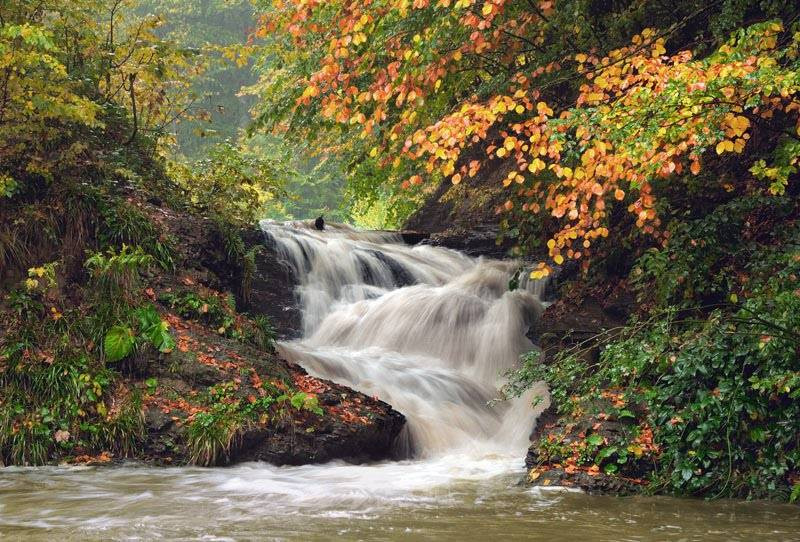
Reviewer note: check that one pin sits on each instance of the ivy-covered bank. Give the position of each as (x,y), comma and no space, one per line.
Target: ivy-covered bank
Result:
(680,371)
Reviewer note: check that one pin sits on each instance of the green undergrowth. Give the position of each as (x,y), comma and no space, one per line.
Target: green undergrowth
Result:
(710,362)
(61,395)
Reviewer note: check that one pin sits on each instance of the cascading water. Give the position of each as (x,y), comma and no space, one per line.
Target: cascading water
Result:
(426,329)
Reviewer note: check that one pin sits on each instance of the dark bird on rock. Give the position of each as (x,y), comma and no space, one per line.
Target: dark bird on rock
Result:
(319,223)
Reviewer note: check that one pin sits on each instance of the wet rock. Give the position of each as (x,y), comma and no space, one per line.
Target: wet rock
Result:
(413,237)
(208,369)
(463,216)
(561,453)
(330,439)
(599,484)
(164,438)
(478,241)
(272,288)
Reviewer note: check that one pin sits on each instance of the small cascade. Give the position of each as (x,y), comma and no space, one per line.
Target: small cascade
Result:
(427,329)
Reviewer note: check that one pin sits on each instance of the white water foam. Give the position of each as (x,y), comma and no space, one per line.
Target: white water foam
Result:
(426,329)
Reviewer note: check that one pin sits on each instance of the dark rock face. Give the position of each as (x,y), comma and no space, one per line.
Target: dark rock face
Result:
(567,323)
(272,288)
(352,426)
(463,217)
(480,241)
(548,469)
(600,484)
(330,439)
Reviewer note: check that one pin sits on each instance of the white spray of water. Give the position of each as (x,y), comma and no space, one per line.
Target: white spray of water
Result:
(426,329)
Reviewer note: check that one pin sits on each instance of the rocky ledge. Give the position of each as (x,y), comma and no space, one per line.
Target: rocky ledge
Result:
(263,407)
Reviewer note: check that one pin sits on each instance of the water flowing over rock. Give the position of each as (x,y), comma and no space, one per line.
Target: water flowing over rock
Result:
(427,329)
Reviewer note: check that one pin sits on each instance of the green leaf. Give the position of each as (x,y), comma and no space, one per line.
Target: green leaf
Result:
(160,336)
(151,384)
(608,451)
(298,400)
(311,404)
(154,329)
(795,493)
(611,468)
(594,440)
(118,343)
(625,413)
(148,317)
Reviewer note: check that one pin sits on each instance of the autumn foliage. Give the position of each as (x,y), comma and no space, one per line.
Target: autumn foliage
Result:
(407,87)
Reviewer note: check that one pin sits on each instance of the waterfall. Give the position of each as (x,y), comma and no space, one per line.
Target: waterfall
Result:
(426,329)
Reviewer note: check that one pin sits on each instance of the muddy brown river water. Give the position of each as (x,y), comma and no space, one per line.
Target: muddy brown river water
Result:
(454,498)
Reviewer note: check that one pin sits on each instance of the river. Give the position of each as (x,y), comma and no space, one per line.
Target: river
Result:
(431,331)
(446,499)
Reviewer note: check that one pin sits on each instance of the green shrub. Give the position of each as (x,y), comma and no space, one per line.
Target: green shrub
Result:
(714,362)
(122,224)
(212,434)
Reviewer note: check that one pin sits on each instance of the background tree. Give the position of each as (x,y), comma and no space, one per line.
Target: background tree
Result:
(402,89)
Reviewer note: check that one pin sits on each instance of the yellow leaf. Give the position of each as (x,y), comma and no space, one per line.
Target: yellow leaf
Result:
(636,450)
(536,165)
(559,259)
(543,109)
(724,145)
